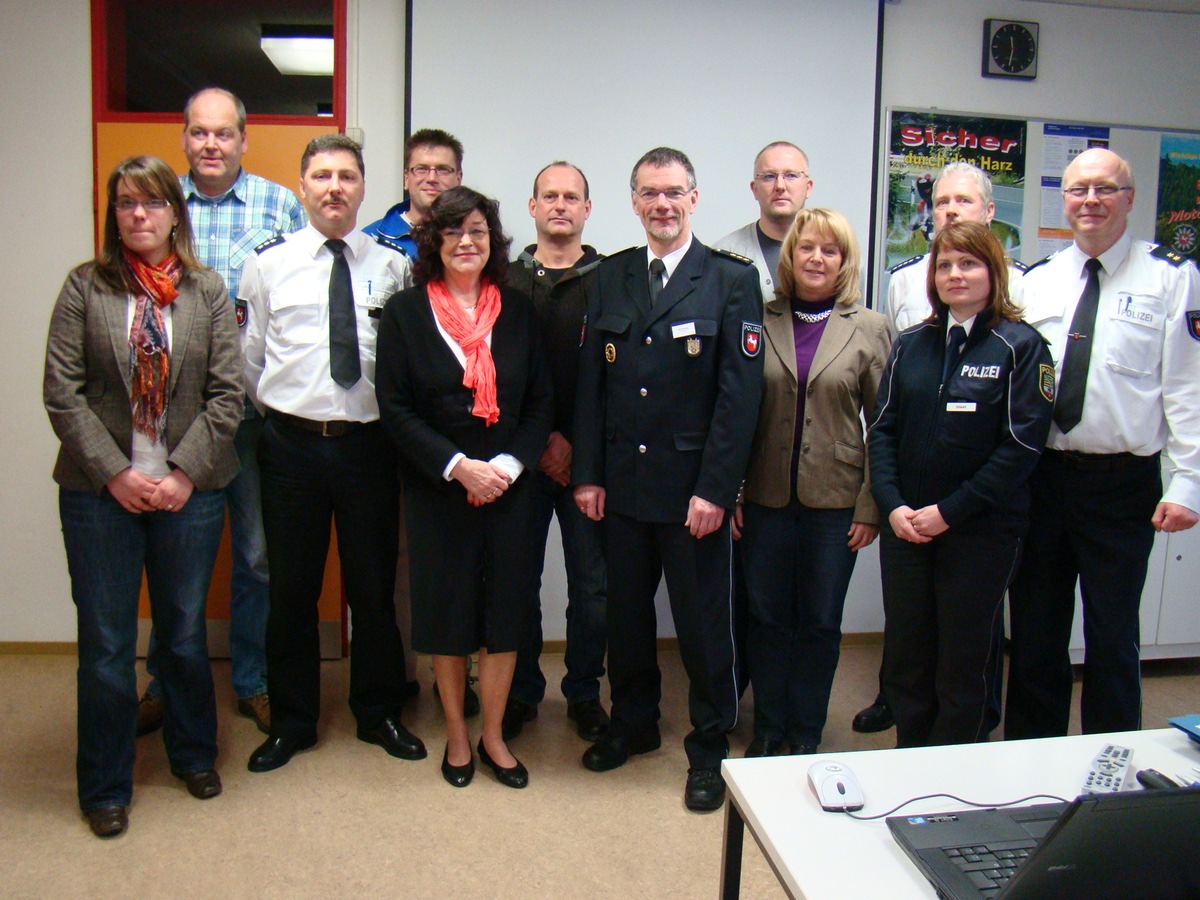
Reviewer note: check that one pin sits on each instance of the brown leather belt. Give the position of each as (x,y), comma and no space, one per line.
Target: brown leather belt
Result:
(339,428)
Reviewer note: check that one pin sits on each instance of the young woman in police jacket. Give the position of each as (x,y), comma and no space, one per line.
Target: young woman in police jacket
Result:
(962,417)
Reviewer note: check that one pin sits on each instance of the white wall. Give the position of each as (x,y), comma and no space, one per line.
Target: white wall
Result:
(1097,65)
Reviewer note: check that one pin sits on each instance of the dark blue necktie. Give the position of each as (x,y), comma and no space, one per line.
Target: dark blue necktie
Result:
(958,337)
(1068,408)
(344,364)
(657,268)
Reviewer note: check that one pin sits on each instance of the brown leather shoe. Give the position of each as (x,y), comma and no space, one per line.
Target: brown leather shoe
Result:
(107,821)
(257,708)
(150,714)
(202,785)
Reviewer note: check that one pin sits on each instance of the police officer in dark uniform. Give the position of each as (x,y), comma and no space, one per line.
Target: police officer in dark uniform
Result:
(963,412)
(668,398)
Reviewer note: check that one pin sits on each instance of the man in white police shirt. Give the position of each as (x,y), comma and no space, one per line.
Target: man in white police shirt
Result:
(962,192)
(1133,392)
(313,303)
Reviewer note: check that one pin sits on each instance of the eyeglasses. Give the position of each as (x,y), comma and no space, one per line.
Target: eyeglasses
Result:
(772,177)
(1103,191)
(157,204)
(440,171)
(674,195)
(477,235)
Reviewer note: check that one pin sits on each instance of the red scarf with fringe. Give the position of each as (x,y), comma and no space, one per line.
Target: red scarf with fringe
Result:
(149,355)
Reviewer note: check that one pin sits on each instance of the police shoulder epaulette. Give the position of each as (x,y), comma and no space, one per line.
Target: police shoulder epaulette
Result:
(729,254)
(1018,265)
(623,252)
(1044,259)
(390,244)
(1174,257)
(904,265)
(268,244)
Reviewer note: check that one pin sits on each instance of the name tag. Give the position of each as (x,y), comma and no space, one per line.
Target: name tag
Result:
(683,329)
(966,406)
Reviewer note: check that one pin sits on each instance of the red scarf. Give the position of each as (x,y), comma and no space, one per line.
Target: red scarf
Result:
(149,360)
(471,336)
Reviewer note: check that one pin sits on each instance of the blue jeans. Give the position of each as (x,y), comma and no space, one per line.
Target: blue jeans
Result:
(249,587)
(107,549)
(798,568)
(587,628)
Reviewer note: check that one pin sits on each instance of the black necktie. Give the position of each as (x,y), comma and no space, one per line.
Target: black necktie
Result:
(1068,409)
(958,337)
(344,364)
(657,268)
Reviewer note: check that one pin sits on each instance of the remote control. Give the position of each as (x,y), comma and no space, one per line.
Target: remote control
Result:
(1107,774)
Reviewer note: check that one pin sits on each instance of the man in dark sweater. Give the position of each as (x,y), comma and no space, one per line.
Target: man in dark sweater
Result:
(557,273)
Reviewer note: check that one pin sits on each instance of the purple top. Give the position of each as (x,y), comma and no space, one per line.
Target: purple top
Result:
(807,336)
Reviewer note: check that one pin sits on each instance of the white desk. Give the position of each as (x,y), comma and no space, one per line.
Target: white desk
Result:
(818,854)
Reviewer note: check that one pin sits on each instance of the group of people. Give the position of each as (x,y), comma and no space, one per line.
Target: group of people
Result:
(734,419)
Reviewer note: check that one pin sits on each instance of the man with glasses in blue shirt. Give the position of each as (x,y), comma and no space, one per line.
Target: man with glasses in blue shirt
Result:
(432,164)
(232,212)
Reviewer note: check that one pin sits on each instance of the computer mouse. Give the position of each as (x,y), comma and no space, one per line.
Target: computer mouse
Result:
(835,787)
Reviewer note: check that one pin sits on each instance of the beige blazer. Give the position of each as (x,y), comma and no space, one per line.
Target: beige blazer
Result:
(86,387)
(843,381)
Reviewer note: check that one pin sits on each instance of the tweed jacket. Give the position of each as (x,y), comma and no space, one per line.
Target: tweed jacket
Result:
(842,384)
(86,386)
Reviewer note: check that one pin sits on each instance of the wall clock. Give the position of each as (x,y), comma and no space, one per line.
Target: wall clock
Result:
(1010,49)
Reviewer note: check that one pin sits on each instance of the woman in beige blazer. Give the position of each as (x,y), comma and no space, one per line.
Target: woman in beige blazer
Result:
(807,505)
(143,388)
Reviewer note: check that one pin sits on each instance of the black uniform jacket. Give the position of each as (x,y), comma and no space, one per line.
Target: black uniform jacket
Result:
(969,445)
(668,398)
(426,409)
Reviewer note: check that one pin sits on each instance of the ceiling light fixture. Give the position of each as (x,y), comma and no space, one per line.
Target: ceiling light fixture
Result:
(299,49)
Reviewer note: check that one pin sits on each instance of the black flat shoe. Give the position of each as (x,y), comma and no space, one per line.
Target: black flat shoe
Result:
(457,776)
(876,717)
(202,785)
(277,751)
(107,821)
(514,777)
(761,746)
(393,737)
(591,721)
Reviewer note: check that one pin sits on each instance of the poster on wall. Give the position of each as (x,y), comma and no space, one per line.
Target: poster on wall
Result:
(922,143)
(1177,223)
(1060,145)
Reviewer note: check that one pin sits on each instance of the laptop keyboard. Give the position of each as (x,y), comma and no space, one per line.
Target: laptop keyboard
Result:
(990,867)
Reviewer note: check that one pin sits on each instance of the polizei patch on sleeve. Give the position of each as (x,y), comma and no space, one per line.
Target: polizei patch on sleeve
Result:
(751,339)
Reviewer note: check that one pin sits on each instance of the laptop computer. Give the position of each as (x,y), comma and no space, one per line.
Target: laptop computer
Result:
(1140,844)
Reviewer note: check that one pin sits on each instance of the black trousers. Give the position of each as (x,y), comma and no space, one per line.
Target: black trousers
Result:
(309,481)
(699,584)
(943,604)
(1090,521)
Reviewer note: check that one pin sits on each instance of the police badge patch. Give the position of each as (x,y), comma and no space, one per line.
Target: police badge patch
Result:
(1046,381)
(751,339)
(1193,324)
(241,312)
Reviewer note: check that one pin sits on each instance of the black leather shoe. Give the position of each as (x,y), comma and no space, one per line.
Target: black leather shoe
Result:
(705,790)
(471,706)
(277,751)
(516,714)
(393,737)
(457,776)
(514,776)
(201,785)
(762,746)
(613,751)
(107,821)
(591,721)
(876,717)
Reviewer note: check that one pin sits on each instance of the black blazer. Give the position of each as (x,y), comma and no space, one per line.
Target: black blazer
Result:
(668,398)
(427,410)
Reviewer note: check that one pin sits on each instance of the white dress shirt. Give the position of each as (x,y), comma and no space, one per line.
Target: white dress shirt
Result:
(1143,387)
(286,335)
(908,299)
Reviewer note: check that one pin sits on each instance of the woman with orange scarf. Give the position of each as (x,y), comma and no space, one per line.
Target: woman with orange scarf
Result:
(463,393)
(143,388)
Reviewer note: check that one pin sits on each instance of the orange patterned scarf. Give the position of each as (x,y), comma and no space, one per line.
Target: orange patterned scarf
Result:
(149,359)
(480,370)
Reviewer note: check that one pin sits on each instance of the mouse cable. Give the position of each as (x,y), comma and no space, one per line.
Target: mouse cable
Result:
(960,800)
